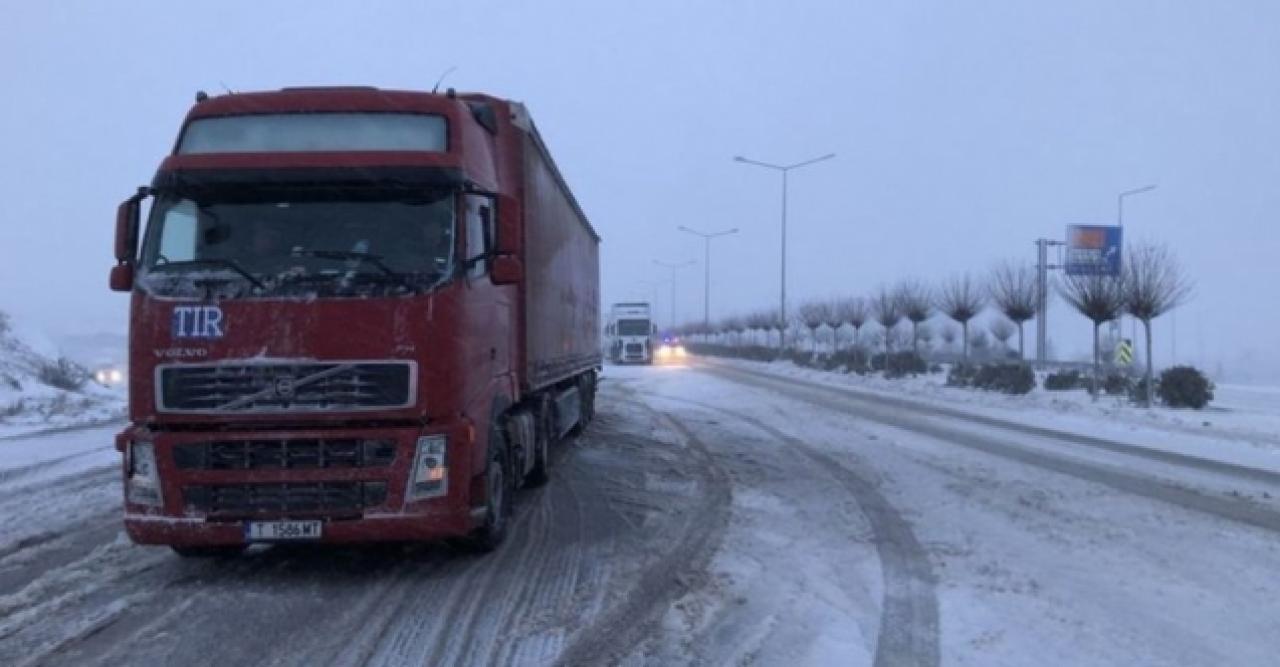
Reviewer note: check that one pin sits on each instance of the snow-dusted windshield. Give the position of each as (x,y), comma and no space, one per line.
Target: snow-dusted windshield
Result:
(283,243)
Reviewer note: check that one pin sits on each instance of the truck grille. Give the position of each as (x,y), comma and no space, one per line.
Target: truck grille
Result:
(289,454)
(332,386)
(244,499)
(635,348)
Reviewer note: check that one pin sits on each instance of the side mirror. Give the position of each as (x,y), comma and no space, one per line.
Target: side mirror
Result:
(506,270)
(127,215)
(121,278)
(508,232)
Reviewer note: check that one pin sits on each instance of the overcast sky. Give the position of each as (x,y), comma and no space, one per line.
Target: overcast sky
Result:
(963,131)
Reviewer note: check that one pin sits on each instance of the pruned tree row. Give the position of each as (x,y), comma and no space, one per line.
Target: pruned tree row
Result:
(1151,284)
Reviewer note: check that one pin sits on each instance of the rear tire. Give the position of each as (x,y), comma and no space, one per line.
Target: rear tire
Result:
(499,493)
(218,551)
(540,473)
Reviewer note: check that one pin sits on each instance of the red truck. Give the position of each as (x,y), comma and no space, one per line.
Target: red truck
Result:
(356,315)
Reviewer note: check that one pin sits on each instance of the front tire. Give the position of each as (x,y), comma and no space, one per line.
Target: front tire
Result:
(498,497)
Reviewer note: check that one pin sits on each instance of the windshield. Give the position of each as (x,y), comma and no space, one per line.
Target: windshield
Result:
(286,243)
(633,327)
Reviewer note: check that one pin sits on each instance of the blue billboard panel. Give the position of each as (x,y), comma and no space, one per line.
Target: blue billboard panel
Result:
(1093,250)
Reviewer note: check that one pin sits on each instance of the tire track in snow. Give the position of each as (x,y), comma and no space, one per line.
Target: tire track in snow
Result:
(618,630)
(1240,511)
(921,408)
(909,630)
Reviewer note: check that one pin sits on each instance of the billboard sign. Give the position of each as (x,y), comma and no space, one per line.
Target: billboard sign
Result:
(1093,250)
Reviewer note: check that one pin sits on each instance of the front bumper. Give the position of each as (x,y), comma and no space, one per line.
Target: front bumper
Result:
(255,492)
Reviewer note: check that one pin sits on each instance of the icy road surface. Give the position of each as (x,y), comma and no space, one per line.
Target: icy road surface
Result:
(712,514)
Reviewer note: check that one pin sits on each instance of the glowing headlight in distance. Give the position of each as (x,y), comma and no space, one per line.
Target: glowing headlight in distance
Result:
(143,484)
(115,376)
(429,477)
(680,351)
(664,350)
(101,377)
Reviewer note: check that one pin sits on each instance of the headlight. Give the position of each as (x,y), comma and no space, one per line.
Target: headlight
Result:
(115,376)
(142,487)
(429,477)
(101,377)
(680,351)
(664,350)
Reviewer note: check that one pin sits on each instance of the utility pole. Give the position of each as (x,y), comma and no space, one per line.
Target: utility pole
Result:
(784,169)
(706,265)
(1042,297)
(674,266)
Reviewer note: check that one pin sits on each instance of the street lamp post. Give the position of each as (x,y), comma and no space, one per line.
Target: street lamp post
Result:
(706,265)
(674,266)
(782,308)
(1128,193)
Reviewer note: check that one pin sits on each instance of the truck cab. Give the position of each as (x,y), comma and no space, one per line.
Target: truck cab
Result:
(337,329)
(632,334)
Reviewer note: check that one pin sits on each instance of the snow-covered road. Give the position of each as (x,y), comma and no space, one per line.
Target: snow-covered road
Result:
(712,514)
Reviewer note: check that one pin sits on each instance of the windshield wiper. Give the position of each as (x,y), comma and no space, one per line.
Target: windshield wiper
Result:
(225,263)
(355,255)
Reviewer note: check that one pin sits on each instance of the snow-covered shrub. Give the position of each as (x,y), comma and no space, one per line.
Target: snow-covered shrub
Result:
(1118,384)
(802,358)
(962,375)
(1184,387)
(13,409)
(63,374)
(1005,378)
(1063,381)
(900,364)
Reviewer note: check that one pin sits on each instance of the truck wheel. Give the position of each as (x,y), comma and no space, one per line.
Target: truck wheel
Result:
(588,398)
(540,473)
(219,551)
(498,497)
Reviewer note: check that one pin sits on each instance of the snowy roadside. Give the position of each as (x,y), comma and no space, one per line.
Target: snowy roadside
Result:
(1243,426)
(47,409)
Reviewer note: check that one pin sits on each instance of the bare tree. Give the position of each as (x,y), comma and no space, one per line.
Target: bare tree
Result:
(1002,330)
(765,321)
(1099,298)
(834,322)
(961,299)
(924,334)
(979,342)
(887,306)
(948,334)
(814,314)
(917,305)
(854,312)
(1014,292)
(1154,284)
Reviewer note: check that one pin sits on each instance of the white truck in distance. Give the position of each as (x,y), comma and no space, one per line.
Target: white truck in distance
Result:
(630,333)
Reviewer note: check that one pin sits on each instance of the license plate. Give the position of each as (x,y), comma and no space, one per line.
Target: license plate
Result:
(275,531)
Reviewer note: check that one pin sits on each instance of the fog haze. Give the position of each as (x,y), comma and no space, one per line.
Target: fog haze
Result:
(963,131)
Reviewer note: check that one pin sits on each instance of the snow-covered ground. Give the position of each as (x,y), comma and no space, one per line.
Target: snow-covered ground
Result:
(30,403)
(1241,426)
(715,513)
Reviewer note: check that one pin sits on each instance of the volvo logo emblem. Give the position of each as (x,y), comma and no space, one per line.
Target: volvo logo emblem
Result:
(285,386)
